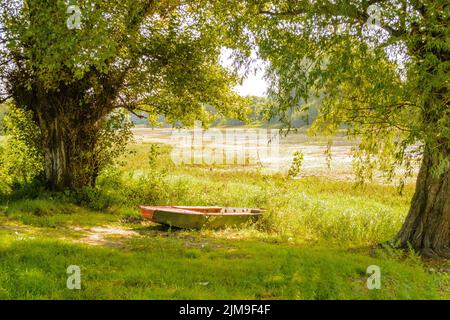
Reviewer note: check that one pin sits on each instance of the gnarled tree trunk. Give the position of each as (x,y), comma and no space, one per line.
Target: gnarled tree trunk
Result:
(68,144)
(427,226)
(55,155)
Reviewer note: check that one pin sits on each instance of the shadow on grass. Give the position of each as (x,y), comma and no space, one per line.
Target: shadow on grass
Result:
(167,268)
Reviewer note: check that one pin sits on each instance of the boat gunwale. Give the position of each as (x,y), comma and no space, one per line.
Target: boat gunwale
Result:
(183,210)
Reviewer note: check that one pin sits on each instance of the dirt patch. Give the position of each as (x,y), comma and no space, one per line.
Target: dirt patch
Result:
(110,236)
(12,228)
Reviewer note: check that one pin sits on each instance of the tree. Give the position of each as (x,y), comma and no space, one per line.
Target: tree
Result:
(382,67)
(71,66)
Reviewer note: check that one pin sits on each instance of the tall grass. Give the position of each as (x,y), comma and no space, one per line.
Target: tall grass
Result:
(311,243)
(313,210)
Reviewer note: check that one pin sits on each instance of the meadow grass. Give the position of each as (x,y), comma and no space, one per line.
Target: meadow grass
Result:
(176,267)
(315,240)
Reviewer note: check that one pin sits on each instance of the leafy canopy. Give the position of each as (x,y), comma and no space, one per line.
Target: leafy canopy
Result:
(388,85)
(157,56)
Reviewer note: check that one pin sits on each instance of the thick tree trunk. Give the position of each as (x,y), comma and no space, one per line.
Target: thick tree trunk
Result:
(68,146)
(55,154)
(427,226)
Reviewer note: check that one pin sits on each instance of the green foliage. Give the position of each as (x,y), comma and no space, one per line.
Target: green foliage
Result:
(309,209)
(257,113)
(113,139)
(34,267)
(21,160)
(157,57)
(315,241)
(386,86)
(153,155)
(3,111)
(119,187)
(21,157)
(296,165)
(166,52)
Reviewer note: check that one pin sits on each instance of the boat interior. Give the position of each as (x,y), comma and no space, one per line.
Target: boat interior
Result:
(219,209)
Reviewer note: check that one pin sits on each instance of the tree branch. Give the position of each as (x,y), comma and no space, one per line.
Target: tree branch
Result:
(338,10)
(137,115)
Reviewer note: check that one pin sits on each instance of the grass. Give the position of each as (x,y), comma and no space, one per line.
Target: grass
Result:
(316,240)
(174,267)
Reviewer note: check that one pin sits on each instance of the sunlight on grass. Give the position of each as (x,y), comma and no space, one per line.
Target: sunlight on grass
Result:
(168,268)
(315,241)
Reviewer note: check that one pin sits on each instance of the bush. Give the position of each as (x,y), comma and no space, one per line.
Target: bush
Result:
(116,188)
(113,139)
(296,165)
(21,160)
(22,157)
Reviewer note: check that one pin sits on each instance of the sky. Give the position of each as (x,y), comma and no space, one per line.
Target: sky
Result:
(254,83)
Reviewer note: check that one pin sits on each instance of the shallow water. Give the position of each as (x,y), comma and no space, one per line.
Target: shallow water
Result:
(251,148)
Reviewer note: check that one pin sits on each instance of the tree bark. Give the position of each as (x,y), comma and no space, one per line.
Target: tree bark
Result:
(68,145)
(427,225)
(56,156)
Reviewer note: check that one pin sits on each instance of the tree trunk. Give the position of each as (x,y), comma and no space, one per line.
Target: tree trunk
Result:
(68,146)
(56,156)
(427,226)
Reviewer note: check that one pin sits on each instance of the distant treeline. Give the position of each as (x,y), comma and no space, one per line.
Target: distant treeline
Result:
(262,113)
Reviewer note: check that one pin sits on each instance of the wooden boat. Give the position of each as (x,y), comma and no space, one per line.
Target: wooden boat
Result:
(200,217)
